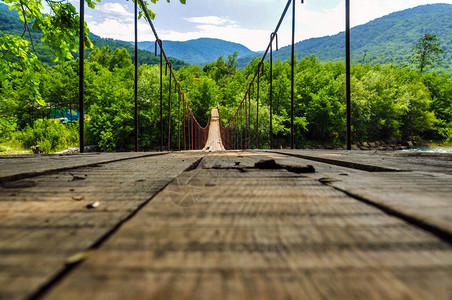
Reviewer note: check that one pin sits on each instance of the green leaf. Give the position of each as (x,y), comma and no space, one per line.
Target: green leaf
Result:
(91,4)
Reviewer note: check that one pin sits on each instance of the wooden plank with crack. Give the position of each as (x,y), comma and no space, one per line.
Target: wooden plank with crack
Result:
(378,161)
(45,220)
(422,195)
(24,166)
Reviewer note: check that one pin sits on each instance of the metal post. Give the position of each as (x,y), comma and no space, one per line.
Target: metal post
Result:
(228,143)
(292,143)
(347,66)
(246,121)
(136,75)
(183,111)
(237,131)
(178,118)
(81,85)
(232,134)
(257,107)
(271,92)
(161,96)
(169,111)
(234,131)
(189,127)
(198,136)
(249,117)
(192,130)
(241,122)
(238,128)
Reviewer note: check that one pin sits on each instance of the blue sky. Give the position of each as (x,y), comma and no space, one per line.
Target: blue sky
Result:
(248,22)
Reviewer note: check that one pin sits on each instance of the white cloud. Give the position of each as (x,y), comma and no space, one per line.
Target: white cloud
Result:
(312,23)
(252,38)
(114,10)
(211,20)
(221,28)
(111,28)
(114,21)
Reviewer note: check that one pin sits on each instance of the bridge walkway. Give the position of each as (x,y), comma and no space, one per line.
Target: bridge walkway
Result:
(221,225)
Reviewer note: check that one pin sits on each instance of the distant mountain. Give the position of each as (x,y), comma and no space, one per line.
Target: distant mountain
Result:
(144,56)
(385,40)
(199,51)
(388,39)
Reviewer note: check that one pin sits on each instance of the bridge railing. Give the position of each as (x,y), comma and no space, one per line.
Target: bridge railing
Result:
(237,134)
(190,134)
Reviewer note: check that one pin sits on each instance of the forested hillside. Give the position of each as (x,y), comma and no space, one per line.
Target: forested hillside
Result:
(386,40)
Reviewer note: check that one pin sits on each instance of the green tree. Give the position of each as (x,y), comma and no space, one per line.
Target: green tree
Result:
(101,56)
(120,59)
(426,52)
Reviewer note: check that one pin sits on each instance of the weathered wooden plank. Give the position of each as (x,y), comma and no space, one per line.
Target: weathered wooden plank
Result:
(395,160)
(425,198)
(420,195)
(283,236)
(45,219)
(23,166)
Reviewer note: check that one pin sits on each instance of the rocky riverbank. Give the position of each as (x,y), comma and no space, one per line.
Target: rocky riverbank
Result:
(368,146)
(91,148)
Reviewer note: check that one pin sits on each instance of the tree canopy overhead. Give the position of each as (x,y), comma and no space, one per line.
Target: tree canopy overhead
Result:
(60,27)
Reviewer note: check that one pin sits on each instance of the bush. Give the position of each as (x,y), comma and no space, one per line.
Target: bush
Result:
(7,127)
(45,146)
(446,133)
(50,135)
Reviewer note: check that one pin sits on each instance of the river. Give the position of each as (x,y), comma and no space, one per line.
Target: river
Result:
(431,149)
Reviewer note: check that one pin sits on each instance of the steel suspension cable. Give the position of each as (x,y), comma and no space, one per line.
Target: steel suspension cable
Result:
(194,125)
(260,68)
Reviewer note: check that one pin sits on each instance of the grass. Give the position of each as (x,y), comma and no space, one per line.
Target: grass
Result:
(12,148)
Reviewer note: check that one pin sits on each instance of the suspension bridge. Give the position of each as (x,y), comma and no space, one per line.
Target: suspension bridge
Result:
(219,220)
(191,135)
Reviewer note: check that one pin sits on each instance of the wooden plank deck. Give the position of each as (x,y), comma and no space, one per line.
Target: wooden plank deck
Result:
(419,188)
(24,166)
(167,228)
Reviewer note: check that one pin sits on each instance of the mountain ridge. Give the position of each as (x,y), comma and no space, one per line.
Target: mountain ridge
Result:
(199,51)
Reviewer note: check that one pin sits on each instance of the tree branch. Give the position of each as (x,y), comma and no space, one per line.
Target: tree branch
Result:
(27,28)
